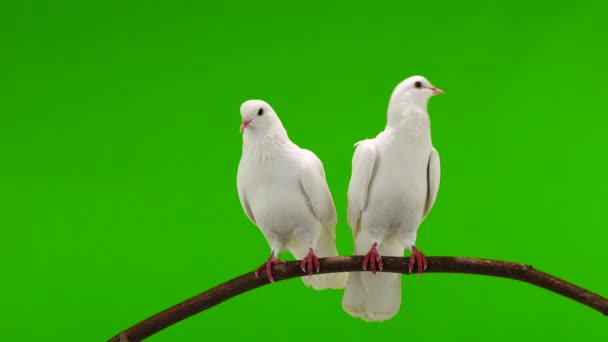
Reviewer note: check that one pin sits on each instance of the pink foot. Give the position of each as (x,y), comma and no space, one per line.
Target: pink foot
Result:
(308,261)
(373,257)
(267,266)
(419,259)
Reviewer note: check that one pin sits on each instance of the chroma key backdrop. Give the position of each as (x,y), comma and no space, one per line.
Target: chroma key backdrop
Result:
(119,145)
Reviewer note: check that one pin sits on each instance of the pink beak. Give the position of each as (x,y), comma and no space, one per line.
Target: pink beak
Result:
(436,91)
(244,125)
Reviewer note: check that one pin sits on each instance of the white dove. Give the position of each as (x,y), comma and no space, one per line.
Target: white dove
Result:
(394,183)
(283,191)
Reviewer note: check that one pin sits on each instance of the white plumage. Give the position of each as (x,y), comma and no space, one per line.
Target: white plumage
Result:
(283,191)
(394,184)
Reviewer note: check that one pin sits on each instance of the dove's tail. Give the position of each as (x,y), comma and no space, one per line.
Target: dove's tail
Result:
(374,297)
(326,247)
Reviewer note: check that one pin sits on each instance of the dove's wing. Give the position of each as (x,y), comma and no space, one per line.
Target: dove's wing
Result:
(317,191)
(321,204)
(246,207)
(433,175)
(363,168)
(242,196)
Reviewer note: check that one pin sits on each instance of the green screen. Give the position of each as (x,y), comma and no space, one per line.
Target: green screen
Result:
(119,146)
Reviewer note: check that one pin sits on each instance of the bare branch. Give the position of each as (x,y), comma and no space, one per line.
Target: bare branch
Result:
(292,269)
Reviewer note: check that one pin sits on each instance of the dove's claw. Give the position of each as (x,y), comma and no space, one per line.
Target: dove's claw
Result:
(373,257)
(418,258)
(267,267)
(309,261)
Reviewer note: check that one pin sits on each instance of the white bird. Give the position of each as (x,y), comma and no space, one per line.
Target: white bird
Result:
(283,191)
(394,183)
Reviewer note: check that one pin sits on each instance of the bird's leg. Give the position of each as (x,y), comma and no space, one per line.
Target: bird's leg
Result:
(373,257)
(309,261)
(419,259)
(267,266)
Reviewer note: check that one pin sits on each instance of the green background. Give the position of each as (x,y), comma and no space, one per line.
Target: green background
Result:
(119,146)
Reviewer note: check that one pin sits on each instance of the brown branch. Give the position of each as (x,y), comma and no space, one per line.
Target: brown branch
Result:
(292,269)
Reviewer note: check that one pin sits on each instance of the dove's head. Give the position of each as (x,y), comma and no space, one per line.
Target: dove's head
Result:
(414,91)
(259,117)
(416,88)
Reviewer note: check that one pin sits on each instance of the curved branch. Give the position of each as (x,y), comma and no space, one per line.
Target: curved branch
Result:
(292,269)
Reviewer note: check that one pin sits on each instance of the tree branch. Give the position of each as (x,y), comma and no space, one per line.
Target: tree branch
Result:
(292,269)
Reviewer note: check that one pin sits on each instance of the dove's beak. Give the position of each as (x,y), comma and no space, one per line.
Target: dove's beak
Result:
(436,91)
(244,125)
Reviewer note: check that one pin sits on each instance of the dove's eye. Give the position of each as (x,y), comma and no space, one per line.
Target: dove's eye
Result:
(418,84)
(261,112)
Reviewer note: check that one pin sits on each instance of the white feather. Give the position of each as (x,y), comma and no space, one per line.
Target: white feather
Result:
(363,168)
(434,173)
